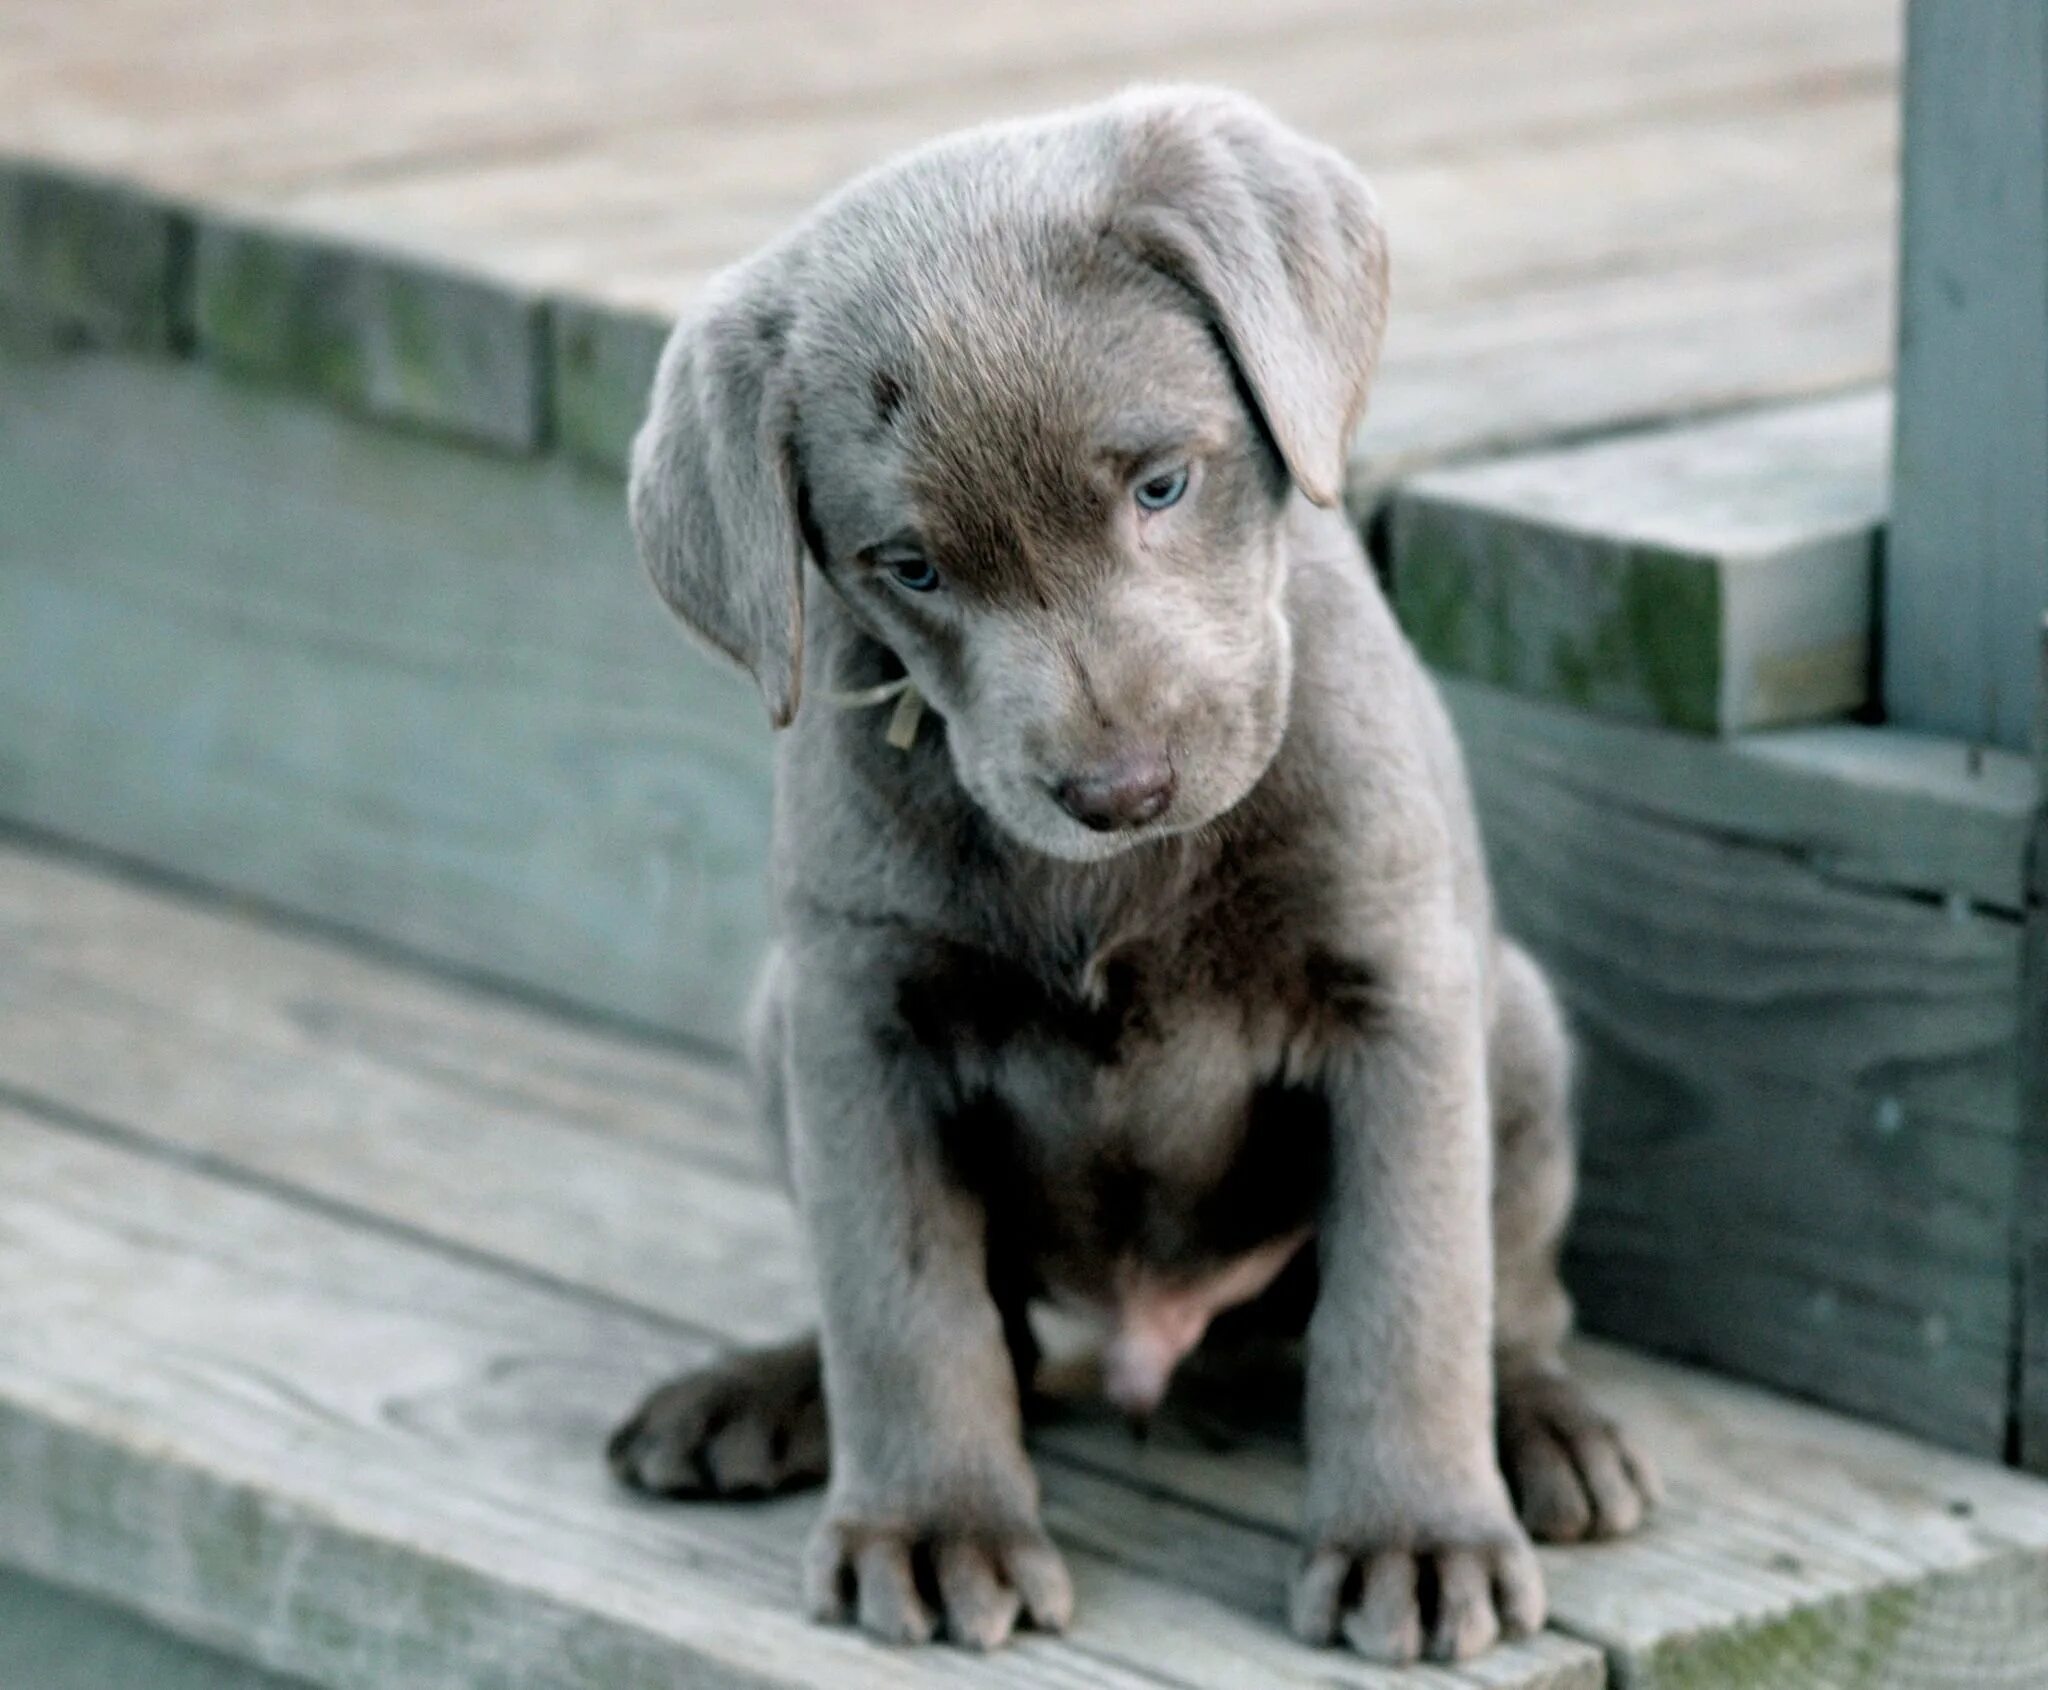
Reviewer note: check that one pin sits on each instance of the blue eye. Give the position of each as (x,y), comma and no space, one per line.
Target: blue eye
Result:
(911,571)
(1161,490)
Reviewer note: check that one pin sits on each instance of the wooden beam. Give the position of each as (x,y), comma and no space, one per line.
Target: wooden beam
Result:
(1715,577)
(55,1640)
(2033,1243)
(1799,1088)
(388,335)
(82,256)
(1967,572)
(413,690)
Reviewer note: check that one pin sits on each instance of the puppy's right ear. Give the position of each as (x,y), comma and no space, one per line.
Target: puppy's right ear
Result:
(713,491)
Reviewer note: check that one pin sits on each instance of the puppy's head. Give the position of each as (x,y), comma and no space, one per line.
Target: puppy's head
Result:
(1035,400)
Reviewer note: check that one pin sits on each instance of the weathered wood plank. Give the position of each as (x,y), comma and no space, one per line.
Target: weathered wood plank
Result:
(51,1639)
(1715,577)
(349,1457)
(482,83)
(2033,1240)
(1792,1537)
(1800,1095)
(1675,213)
(603,372)
(1966,578)
(1797,1550)
(396,337)
(1880,807)
(419,692)
(92,257)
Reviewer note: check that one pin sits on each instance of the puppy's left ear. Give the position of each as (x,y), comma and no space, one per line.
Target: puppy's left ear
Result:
(1281,241)
(713,492)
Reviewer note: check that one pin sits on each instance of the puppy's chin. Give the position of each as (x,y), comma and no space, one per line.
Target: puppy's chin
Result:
(1031,819)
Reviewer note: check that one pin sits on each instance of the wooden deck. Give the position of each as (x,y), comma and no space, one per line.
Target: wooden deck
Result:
(321,1276)
(1603,215)
(320,1281)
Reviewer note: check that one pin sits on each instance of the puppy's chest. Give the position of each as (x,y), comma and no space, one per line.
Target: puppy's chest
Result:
(1142,1109)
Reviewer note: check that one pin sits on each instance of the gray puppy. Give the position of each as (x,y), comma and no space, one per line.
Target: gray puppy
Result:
(1158,974)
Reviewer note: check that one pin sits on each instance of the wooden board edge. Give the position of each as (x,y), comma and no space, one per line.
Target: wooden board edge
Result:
(87,257)
(2030,1407)
(604,363)
(390,335)
(1879,806)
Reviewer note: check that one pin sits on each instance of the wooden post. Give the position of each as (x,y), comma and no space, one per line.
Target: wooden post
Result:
(1967,576)
(2033,1358)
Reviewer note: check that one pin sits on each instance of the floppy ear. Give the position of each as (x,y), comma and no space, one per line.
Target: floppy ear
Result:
(1281,241)
(713,491)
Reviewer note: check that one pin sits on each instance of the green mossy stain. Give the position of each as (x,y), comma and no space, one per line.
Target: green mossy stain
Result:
(1434,600)
(418,346)
(1671,609)
(1849,1645)
(283,312)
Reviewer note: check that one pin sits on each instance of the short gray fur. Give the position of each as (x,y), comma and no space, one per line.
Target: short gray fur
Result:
(91,258)
(393,336)
(1715,577)
(1967,575)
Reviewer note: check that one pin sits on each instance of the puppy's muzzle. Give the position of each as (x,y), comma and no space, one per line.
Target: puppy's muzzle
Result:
(1129,790)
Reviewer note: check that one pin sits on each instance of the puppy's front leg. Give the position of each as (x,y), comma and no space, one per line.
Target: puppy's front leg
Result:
(927,1466)
(1413,1544)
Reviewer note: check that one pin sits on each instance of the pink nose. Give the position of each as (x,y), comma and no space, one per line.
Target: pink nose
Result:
(1129,790)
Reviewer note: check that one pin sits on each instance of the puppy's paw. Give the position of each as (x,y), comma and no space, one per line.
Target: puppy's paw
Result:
(910,1583)
(1575,1474)
(750,1425)
(1448,1600)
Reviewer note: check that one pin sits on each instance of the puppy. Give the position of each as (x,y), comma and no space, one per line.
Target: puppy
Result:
(1153,964)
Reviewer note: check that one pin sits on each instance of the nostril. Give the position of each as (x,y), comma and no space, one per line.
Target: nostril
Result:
(1127,791)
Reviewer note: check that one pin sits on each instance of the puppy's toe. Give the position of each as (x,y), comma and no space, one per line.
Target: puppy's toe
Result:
(981,1610)
(750,1425)
(909,1584)
(1575,1474)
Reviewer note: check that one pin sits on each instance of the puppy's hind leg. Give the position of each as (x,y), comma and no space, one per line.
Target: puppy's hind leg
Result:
(750,1424)
(1574,1473)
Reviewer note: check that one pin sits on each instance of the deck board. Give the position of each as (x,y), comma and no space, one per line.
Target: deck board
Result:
(1658,208)
(559,1154)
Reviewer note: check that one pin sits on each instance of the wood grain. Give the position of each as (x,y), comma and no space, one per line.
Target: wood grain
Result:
(54,1640)
(1967,576)
(1884,808)
(411,690)
(92,256)
(1650,210)
(351,1458)
(380,332)
(1716,577)
(1800,1095)
(1793,1540)
(2033,1239)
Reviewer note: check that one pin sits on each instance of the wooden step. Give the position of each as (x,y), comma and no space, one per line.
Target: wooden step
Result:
(1792,964)
(1639,218)
(320,1280)
(1714,577)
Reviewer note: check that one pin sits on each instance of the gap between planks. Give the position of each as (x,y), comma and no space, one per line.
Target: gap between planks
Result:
(376,1089)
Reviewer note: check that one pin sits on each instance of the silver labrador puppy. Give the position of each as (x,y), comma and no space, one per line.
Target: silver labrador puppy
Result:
(1158,973)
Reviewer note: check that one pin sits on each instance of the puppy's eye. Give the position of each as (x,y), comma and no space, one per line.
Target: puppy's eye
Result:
(1158,492)
(908,568)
